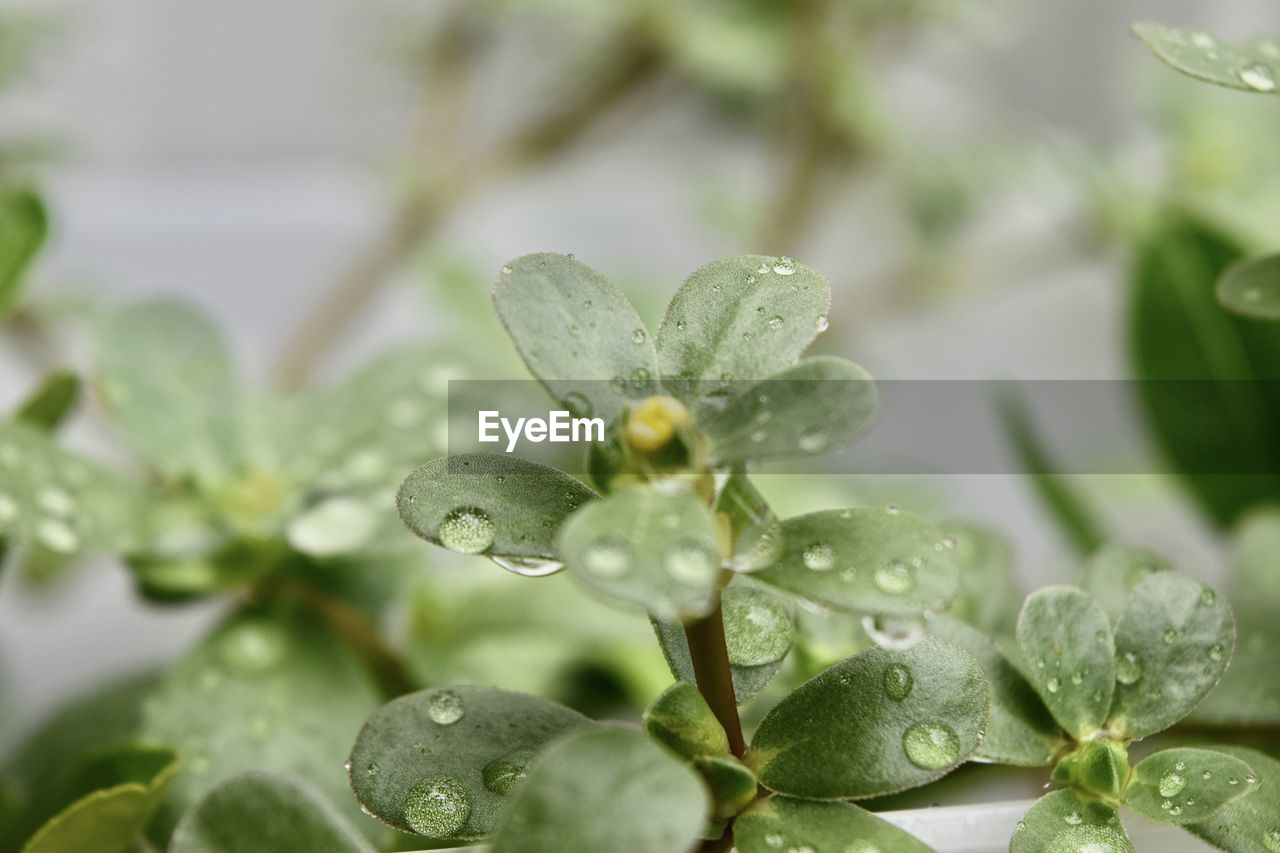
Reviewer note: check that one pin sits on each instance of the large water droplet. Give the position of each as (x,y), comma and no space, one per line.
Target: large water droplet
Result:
(57,535)
(1217,652)
(608,558)
(895,578)
(467,530)
(690,563)
(529,567)
(1172,783)
(757,629)
(813,441)
(335,526)
(898,681)
(1128,668)
(1089,838)
(775,322)
(502,775)
(1259,77)
(437,807)
(784,266)
(931,746)
(819,557)
(445,708)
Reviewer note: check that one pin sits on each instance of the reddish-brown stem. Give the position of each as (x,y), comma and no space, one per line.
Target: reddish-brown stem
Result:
(710,657)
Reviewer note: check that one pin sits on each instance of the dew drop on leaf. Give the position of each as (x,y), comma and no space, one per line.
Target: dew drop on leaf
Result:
(819,557)
(638,336)
(784,266)
(689,563)
(1128,668)
(608,558)
(253,646)
(8,509)
(1088,838)
(55,501)
(1053,685)
(1172,783)
(893,633)
(775,322)
(437,807)
(1170,636)
(931,746)
(502,775)
(1258,77)
(1216,652)
(898,681)
(467,530)
(1073,818)
(445,708)
(813,441)
(895,578)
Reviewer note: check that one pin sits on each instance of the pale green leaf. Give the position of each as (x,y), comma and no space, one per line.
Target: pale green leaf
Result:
(1173,642)
(653,548)
(1250,67)
(1063,822)
(1069,651)
(867,560)
(755,530)
(988,597)
(682,720)
(879,722)
(1249,824)
(605,789)
(1187,785)
(1114,571)
(24,225)
(790,824)
(1252,288)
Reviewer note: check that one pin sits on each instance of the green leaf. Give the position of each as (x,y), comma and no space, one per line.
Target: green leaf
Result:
(868,560)
(742,318)
(755,530)
(482,503)
(24,225)
(1066,641)
(123,792)
(815,405)
(1181,338)
(791,824)
(1099,767)
(49,405)
(758,626)
(605,789)
(1063,822)
(272,689)
(167,379)
(1021,730)
(988,591)
(443,763)
(1252,288)
(263,811)
(1249,67)
(1249,823)
(1187,785)
(59,501)
(732,785)
(1114,571)
(876,723)
(681,719)
(576,331)
(1173,642)
(748,680)
(654,548)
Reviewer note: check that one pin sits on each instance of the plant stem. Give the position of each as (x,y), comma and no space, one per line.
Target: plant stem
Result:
(710,657)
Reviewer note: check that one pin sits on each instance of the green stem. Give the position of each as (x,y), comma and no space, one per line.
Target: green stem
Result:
(710,657)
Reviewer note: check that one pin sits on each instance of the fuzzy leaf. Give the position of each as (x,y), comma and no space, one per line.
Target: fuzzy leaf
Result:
(1114,571)
(1067,645)
(576,798)
(732,785)
(1249,67)
(646,547)
(821,827)
(1021,731)
(876,723)
(441,763)
(167,379)
(742,318)
(1173,642)
(1061,821)
(500,506)
(263,811)
(867,560)
(24,225)
(1187,785)
(1252,288)
(815,405)
(574,328)
(681,719)
(50,404)
(755,530)
(1250,823)
(987,593)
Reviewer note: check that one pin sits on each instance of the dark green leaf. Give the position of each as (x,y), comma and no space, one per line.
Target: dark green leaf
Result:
(1062,821)
(49,405)
(605,789)
(988,597)
(1248,67)
(1067,645)
(24,225)
(1187,785)
(868,560)
(682,720)
(1173,642)
(785,823)
(1252,288)
(876,723)
(1249,824)
(260,811)
(1114,571)
(732,785)
(442,763)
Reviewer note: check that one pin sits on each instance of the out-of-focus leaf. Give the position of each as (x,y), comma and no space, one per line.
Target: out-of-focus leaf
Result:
(874,724)
(1067,645)
(1113,572)
(1187,785)
(1252,288)
(755,530)
(49,405)
(24,225)
(573,798)
(1250,67)
(1062,820)
(1247,823)
(263,811)
(988,597)
(442,763)
(682,720)
(790,824)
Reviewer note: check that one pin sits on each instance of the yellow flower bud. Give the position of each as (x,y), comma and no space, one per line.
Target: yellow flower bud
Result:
(653,422)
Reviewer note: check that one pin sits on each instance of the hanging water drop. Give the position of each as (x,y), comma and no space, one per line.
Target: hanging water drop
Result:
(1128,668)
(467,530)
(894,634)
(895,578)
(690,563)
(528,567)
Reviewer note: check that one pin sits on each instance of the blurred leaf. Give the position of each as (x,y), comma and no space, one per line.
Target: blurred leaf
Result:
(867,559)
(574,800)
(755,530)
(1249,67)
(574,328)
(1181,339)
(758,627)
(1113,572)
(1248,823)
(441,763)
(874,724)
(24,226)
(809,825)
(1062,820)
(48,406)
(681,719)
(740,318)
(732,785)
(1066,641)
(167,379)
(1173,642)
(261,811)
(1187,785)
(648,547)
(1252,288)
(738,48)
(271,689)
(988,597)
(1021,731)
(815,405)
(496,505)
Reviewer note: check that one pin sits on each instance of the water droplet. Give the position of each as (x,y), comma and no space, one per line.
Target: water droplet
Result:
(1208,774)
(784,266)
(335,526)
(373,769)
(254,646)
(445,708)
(822,324)
(895,578)
(819,557)
(1170,636)
(467,530)
(1073,818)
(528,567)
(813,441)
(681,325)
(759,436)
(639,376)
(1053,685)
(437,807)
(1077,678)
(775,322)
(502,775)
(8,509)
(1217,652)
(577,404)
(1128,668)
(638,336)
(1172,783)
(931,746)
(1203,40)
(506,270)
(1208,596)
(57,536)
(55,501)
(773,839)
(898,681)
(1258,77)
(608,558)
(1271,840)
(891,509)
(690,563)
(758,629)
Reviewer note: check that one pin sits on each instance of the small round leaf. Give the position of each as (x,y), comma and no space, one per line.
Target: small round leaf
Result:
(1114,571)
(1187,785)
(1063,822)
(1252,822)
